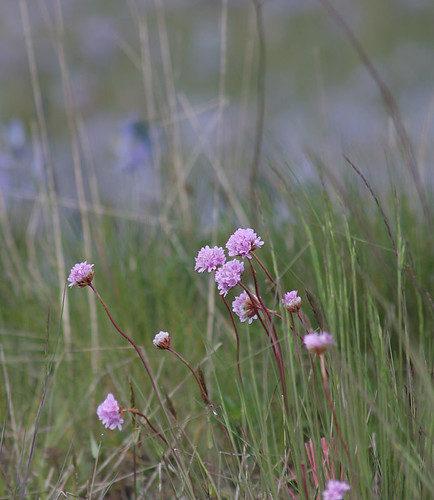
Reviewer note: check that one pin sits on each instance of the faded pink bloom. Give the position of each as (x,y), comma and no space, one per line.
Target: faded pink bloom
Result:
(242,242)
(209,259)
(229,275)
(162,340)
(110,414)
(81,274)
(318,343)
(291,301)
(335,490)
(245,308)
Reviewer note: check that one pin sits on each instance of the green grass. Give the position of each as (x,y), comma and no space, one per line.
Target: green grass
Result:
(359,254)
(372,299)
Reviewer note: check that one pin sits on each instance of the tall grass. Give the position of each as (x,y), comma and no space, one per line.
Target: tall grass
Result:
(360,258)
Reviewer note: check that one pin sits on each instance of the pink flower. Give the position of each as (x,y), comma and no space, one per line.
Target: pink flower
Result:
(162,340)
(242,242)
(209,259)
(110,414)
(335,490)
(81,274)
(245,308)
(291,301)
(229,275)
(318,343)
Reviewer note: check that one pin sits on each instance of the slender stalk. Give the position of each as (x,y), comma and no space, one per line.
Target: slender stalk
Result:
(199,383)
(202,390)
(273,336)
(237,339)
(135,411)
(126,337)
(258,260)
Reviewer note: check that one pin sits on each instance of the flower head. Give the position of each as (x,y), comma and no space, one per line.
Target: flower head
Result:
(162,340)
(229,275)
(335,490)
(110,413)
(81,274)
(318,343)
(209,259)
(245,308)
(291,301)
(242,242)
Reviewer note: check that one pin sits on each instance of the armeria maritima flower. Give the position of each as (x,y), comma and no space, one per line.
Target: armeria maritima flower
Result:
(318,343)
(245,308)
(109,412)
(209,259)
(162,340)
(291,301)
(242,242)
(81,274)
(335,490)
(229,275)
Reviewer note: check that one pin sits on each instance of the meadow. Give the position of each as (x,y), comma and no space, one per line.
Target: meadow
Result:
(233,409)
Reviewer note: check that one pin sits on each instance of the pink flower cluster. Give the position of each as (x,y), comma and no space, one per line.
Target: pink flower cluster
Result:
(318,343)
(81,275)
(228,274)
(291,301)
(245,308)
(162,340)
(209,259)
(109,412)
(335,490)
(242,242)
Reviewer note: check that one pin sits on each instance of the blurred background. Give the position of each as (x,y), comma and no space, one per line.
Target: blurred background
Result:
(144,93)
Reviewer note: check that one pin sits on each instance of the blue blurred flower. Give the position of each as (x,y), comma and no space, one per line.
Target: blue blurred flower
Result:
(134,145)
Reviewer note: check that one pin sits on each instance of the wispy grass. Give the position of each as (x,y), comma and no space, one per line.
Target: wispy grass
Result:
(360,258)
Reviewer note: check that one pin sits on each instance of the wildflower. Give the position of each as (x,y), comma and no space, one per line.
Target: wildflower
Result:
(318,343)
(162,340)
(245,308)
(291,301)
(242,242)
(110,413)
(229,275)
(209,259)
(335,490)
(81,274)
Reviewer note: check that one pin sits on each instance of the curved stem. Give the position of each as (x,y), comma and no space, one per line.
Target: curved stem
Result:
(258,260)
(237,339)
(202,390)
(135,411)
(199,383)
(129,339)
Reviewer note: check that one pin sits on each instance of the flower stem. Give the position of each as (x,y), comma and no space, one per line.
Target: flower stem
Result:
(237,338)
(202,390)
(135,411)
(129,339)
(258,260)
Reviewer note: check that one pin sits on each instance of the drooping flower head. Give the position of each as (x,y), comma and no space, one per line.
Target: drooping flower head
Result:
(229,275)
(245,308)
(318,343)
(209,259)
(242,242)
(291,301)
(335,490)
(162,340)
(110,413)
(81,274)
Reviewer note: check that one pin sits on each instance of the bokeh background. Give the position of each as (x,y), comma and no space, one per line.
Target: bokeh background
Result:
(143,72)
